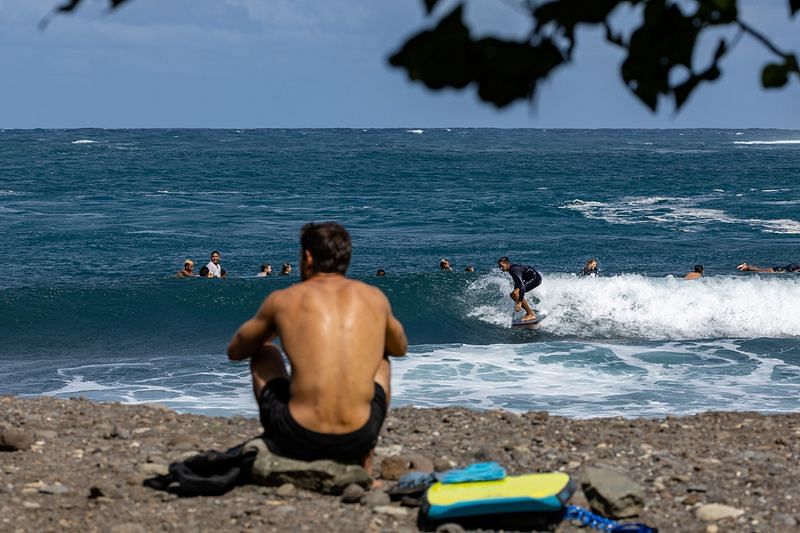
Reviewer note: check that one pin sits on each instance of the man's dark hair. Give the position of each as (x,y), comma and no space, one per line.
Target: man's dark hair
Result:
(504,259)
(214,252)
(698,269)
(329,245)
(204,272)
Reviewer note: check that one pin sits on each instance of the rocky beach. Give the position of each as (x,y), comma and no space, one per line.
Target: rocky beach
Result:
(76,465)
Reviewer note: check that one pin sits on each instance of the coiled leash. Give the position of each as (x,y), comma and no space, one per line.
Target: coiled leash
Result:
(601,523)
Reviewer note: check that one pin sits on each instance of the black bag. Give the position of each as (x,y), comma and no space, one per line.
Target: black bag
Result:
(207,474)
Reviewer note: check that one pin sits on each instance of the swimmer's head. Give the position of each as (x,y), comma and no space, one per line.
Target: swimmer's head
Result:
(504,263)
(698,269)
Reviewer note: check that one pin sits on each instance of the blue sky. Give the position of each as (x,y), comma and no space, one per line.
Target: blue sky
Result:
(303,63)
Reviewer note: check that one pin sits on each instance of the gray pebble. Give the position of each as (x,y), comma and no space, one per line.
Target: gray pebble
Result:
(352,493)
(375,499)
(287,490)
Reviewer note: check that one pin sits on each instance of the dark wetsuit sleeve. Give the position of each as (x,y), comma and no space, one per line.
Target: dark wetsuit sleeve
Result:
(516,272)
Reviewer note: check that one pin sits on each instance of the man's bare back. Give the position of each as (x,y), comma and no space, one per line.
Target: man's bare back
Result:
(336,333)
(333,330)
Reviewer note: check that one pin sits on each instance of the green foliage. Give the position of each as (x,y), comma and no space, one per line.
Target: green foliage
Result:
(660,49)
(504,71)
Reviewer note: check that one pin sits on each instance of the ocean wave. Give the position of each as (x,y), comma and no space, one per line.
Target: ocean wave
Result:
(632,306)
(84,141)
(562,377)
(418,132)
(785,141)
(682,214)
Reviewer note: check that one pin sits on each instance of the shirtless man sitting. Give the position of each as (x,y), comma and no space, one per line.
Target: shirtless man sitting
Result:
(337,334)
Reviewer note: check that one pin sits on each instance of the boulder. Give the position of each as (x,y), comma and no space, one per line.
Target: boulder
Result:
(328,477)
(393,467)
(611,493)
(12,440)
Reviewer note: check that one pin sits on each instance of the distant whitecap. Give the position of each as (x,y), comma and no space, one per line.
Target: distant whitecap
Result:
(83,141)
(784,141)
(418,132)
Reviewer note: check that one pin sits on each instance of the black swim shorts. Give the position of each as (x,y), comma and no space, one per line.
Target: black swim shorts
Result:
(285,437)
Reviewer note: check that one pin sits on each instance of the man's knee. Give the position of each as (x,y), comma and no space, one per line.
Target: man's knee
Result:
(267,365)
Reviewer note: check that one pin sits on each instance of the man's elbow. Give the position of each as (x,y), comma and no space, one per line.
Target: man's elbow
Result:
(234,353)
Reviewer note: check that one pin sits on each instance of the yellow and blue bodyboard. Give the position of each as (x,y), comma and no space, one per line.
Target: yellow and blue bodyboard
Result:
(530,493)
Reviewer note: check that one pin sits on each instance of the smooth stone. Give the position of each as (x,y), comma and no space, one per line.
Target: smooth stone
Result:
(711,512)
(450,527)
(352,493)
(420,463)
(390,510)
(55,488)
(376,499)
(393,467)
(153,469)
(611,493)
(327,477)
(12,440)
(287,490)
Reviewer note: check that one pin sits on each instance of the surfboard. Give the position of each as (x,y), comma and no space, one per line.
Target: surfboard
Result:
(513,494)
(529,323)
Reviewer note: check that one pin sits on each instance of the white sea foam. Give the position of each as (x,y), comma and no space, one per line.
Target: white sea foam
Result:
(682,214)
(785,141)
(632,306)
(564,377)
(418,132)
(587,381)
(83,141)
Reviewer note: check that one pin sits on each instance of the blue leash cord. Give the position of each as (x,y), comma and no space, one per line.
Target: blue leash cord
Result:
(601,523)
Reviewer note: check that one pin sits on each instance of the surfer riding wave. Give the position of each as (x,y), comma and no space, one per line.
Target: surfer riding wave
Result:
(526,278)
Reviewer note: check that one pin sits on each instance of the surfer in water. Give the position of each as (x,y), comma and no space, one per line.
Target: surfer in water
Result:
(526,278)
(791,267)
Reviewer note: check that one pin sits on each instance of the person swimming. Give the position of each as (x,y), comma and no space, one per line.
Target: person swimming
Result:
(590,268)
(696,273)
(791,267)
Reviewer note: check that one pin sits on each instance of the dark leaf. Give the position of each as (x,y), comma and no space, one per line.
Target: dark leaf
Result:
(665,39)
(794,6)
(683,90)
(717,11)
(439,57)
(507,71)
(504,71)
(774,76)
(429,5)
(722,48)
(566,12)
(69,6)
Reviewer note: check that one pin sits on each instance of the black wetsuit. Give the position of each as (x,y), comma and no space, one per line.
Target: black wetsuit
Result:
(586,271)
(791,267)
(525,278)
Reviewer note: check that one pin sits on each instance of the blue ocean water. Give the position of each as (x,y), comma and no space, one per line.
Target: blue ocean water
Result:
(95,223)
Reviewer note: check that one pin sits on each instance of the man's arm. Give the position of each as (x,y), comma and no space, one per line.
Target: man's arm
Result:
(744,267)
(249,338)
(519,285)
(396,343)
